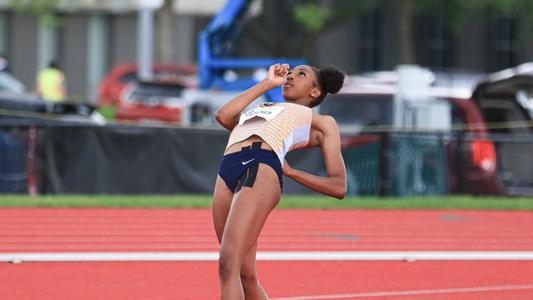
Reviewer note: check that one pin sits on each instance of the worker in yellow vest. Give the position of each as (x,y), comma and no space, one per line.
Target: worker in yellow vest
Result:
(51,83)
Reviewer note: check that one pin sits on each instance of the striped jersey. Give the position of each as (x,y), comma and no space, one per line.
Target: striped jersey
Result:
(283,126)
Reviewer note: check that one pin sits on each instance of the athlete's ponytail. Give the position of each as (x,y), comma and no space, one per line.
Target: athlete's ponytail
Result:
(330,80)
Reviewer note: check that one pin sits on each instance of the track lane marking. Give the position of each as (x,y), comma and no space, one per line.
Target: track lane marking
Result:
(478,289)
(409,256)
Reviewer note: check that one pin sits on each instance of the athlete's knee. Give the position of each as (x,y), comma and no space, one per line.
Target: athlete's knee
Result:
(248,278)
(228,264)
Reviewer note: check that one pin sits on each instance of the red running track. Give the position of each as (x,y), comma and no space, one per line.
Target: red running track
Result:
(81,230)
(99,230)
(198,280)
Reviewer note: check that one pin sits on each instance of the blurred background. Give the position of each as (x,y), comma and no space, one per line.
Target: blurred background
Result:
(88,38)
(438,97)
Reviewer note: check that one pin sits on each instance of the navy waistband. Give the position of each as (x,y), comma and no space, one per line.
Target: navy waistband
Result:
(257,151)
(234,164)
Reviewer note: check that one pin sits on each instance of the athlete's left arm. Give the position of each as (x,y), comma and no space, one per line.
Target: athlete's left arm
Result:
(328,138)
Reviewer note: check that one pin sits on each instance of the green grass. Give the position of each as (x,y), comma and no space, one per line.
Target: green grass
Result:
(203,201)
(108,112)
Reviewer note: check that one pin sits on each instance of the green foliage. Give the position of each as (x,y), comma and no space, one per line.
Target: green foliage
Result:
(512,7)
(346,10)
(453,11)
(311,16)
(507,6)
(37,7)
(316,15)
(42,8)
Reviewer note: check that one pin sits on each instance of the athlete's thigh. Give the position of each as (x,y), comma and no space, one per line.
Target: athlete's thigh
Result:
(222,197)
(250,209)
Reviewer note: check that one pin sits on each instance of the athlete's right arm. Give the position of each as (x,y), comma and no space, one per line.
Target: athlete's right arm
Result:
(228,115)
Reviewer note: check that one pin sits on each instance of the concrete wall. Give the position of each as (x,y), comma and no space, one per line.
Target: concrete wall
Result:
(185,39)
(21,48)
(123,38)
(74,55)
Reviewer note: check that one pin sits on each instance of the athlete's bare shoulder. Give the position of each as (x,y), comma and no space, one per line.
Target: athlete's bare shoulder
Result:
(321,126)
(323,122)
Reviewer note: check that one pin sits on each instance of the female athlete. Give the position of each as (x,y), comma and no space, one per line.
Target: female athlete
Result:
(249,182)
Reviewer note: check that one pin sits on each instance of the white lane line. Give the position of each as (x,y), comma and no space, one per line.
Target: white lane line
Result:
(478,289)
(409,256)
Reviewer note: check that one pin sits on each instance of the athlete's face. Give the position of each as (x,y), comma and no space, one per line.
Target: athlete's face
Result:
(301,85)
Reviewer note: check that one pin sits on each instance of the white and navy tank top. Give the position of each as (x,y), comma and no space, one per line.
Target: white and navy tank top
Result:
(283,126)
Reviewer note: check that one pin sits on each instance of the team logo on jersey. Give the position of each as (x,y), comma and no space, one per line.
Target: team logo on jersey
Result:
(267,104)
(265,112)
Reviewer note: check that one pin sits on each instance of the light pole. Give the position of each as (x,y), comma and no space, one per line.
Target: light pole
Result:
(145,37)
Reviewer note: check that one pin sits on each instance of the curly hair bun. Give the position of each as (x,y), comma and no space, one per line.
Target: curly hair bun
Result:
(332,79)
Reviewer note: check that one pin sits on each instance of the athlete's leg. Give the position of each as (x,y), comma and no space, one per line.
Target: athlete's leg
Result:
(248,213)
(222,198)
(252,288)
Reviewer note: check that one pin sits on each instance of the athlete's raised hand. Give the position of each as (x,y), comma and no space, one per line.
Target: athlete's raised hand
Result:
(228,114)
(277,73)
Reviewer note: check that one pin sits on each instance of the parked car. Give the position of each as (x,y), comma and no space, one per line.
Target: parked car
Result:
(505,99)
(24,108)
(152,101)
(171,102)
(10,84)
(122,74)
(475,162)
(18,105)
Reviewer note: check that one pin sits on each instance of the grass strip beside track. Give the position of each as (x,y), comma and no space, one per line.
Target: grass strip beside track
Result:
(320,202)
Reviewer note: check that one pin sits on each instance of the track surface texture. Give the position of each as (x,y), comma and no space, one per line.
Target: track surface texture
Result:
(144,231)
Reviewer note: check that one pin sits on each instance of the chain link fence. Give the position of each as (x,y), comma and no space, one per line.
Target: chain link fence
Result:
(13,160)
(417,164)
(386,164)
(399,164)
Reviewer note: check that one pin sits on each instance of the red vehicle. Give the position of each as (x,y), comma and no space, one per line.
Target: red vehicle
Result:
(159,101)
(113,84)
(172,102)
(472,160)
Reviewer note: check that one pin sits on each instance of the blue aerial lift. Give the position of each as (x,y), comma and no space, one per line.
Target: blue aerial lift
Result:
(215,52)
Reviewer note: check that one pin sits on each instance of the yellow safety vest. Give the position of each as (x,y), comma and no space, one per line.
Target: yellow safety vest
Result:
(50,85)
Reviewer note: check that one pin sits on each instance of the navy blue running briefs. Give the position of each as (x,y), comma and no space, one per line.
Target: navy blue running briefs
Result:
(239,169)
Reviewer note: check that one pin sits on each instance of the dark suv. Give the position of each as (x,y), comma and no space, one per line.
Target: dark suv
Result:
(505,100)
(466,158)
